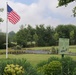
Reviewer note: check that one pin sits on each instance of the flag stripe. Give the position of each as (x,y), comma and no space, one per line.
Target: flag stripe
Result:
(13,17)
(12,20)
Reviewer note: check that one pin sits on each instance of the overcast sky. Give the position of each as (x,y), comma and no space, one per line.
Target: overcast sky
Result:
(35,12)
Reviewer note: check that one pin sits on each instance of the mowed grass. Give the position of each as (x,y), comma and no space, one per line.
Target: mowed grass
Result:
(72,49)
(34,59)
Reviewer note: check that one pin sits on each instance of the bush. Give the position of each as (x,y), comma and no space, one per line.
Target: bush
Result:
(41,64)
(28,69)
(40,71)
(12,69)
(53,68)
(18,47)
(54,50)
(39,67)
(53,59)
(68,65)
(74,71)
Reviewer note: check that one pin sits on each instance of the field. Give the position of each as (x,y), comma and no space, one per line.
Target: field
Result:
(36,58)
(72,49)
(33,58)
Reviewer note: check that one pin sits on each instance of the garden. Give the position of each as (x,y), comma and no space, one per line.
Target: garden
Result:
(37,64)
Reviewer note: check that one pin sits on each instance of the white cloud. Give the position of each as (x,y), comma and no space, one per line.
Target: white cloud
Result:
(34,14)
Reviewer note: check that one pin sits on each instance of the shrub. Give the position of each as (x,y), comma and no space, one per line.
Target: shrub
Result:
(53,59)
(18,47)
(40,71)
(41,64)
(28,69)
(54,50)
(53,68)
(39,67)
(68,65)
(12,69)
(74,71)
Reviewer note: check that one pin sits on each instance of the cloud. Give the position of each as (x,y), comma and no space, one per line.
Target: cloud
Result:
(36,13)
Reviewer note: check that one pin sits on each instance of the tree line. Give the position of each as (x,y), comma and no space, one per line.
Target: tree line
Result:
(39,36)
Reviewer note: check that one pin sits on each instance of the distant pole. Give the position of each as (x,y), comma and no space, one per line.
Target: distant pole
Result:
(6,32)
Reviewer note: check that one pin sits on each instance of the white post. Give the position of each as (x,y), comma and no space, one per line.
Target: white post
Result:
(6,33)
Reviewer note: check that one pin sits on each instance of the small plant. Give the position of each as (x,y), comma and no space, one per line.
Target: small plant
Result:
(12,69)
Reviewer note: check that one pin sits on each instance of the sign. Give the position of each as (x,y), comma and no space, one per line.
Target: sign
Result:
(63,45)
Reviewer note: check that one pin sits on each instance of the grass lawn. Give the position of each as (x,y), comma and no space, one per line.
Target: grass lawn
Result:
(72,49)
(36,58)
(33,58)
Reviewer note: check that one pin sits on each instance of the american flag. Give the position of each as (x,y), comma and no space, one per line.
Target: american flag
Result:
(13,17)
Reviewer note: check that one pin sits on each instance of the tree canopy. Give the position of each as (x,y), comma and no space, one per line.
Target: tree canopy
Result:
(45,36)
(1,10)
(2,40)
(40,36)
(66,2)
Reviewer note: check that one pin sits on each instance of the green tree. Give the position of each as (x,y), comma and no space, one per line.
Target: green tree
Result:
(48,36)
(72,36)
(30,33)
(1,20)
(62,31)
(29,29)
(45,35)
(66,2)
(22,27)
(21,37)
(12,36)
(56,37)
(35,37)
(1,10)
(66,31)
(40,30)
(2,40)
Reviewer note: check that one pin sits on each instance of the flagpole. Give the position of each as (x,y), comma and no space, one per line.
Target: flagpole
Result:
(6,32)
